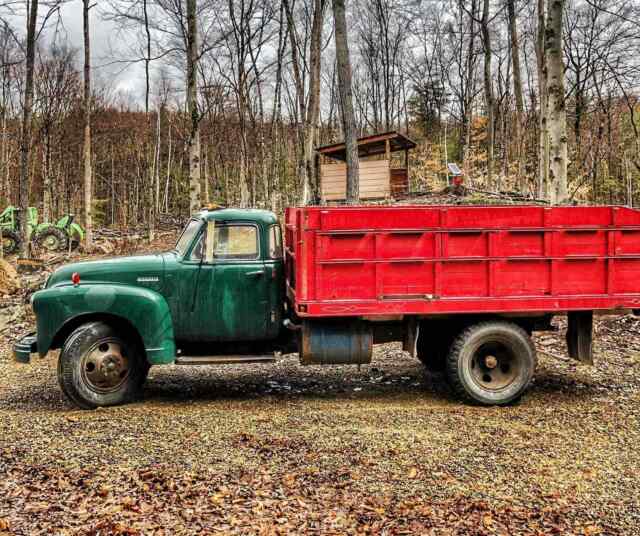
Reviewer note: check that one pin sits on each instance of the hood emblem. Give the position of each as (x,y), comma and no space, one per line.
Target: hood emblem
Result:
(148,279)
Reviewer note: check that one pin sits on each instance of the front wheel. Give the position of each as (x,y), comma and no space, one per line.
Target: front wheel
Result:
(491,363)
(99,368)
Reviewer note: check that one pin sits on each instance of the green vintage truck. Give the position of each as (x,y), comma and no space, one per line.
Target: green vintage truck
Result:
(462,288)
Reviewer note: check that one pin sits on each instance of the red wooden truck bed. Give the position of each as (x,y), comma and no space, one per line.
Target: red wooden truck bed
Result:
(418,260)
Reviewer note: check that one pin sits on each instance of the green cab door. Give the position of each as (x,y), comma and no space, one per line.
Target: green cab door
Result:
(234,289)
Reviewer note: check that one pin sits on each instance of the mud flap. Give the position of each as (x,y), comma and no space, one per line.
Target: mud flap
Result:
(580,336)
(410,342)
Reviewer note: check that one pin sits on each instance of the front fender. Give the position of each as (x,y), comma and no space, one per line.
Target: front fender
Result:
(147,311)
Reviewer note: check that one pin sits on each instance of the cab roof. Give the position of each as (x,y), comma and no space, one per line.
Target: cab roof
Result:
(264,217)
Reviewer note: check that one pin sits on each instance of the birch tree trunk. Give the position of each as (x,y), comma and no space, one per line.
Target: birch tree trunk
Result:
(488,93)
(86,147)
(346,102)
(543,141)
(556,106)
(192,106)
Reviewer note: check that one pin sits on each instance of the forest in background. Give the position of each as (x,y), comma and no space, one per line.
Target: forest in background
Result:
(236,95)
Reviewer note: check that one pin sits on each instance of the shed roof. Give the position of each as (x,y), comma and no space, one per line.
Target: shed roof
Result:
(370,145)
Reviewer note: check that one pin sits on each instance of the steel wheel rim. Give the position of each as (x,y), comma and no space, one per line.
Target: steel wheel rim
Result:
(105,366)
(51,242)
(494,366)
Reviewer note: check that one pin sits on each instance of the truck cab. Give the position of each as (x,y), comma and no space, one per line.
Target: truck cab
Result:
(224,281)
(217,297)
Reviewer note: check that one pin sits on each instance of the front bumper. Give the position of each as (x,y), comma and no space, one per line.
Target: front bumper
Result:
(24,347)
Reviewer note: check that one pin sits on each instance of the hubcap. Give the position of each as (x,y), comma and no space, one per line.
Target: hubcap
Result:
(494,366)
(105,367)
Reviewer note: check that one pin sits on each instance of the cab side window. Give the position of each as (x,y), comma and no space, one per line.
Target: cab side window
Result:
(275,242)
(236,242)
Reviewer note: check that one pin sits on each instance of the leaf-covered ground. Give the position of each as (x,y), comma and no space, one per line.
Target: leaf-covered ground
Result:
(284,449)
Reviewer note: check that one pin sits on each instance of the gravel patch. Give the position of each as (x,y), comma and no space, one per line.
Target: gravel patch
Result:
(286,449)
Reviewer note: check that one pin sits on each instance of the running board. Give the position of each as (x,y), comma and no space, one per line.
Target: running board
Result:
(224,359)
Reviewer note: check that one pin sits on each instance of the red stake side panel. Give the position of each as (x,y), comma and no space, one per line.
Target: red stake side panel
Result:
(351,261)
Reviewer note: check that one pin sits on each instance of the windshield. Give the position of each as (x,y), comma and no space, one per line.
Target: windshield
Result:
(187,236)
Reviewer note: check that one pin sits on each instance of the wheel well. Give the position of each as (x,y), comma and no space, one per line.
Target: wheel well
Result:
(116,322)
(528,323)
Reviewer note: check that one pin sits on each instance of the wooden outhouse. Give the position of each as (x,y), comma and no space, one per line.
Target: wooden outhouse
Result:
(378,178)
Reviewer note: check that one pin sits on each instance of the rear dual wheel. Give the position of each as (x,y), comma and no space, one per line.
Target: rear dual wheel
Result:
(98,367)
(491,363)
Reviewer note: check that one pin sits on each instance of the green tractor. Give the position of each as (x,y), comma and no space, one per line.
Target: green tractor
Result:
(46,236)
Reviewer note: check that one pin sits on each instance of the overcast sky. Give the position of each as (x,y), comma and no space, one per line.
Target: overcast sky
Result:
(105,43)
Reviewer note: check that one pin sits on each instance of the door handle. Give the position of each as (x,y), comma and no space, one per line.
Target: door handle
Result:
(257,273)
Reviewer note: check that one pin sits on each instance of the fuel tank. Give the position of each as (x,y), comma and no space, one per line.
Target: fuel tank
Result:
(343,342)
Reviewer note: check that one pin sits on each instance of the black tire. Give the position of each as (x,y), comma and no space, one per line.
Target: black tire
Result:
(434,341)
(51,239)
(10,242)
(99,368)
(491,363)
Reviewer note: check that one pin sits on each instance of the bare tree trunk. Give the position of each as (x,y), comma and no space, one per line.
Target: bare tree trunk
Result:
(25,145)
(276,114)
(488,92)
(4,185)
(557,112)
(147,63)
(308,109)
(469,69)
(168,175)
(192,105)
(86,147)
(543,142)
(346,102)
(313,106)
(517,90)
(147,59)
(46,177)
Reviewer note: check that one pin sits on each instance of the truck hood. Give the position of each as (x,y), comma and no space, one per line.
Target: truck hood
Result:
(141,270)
